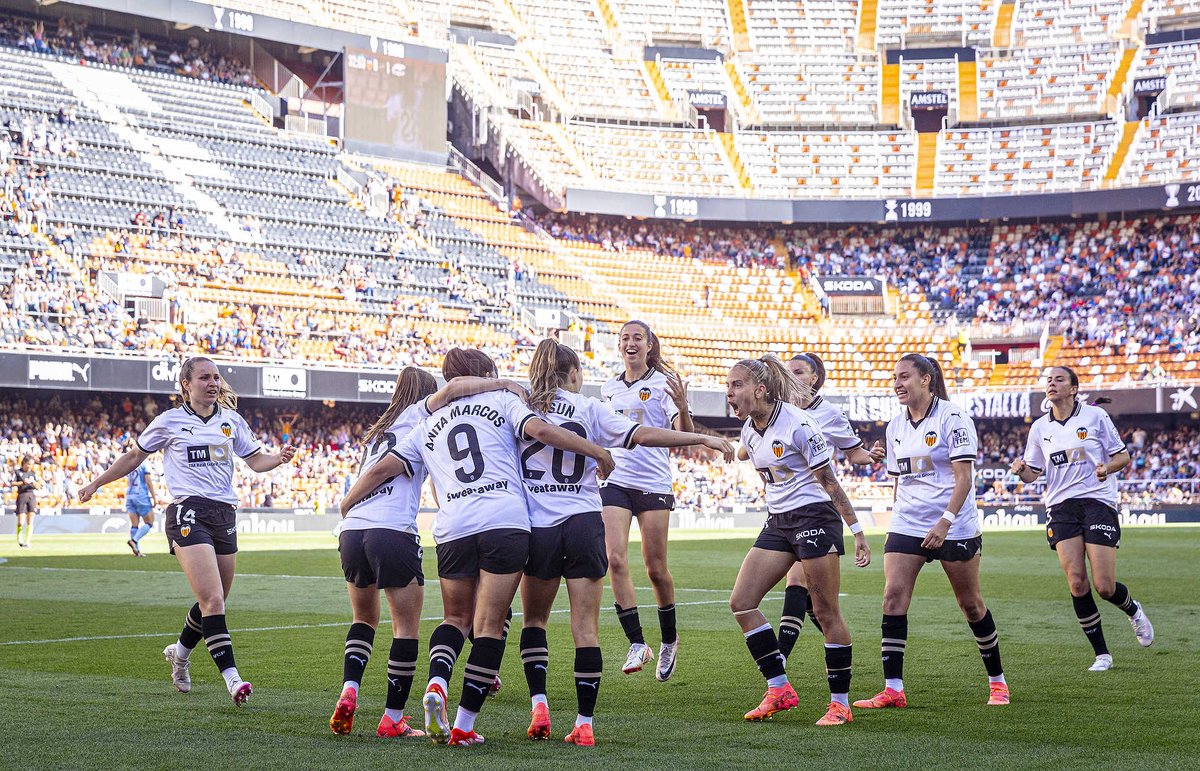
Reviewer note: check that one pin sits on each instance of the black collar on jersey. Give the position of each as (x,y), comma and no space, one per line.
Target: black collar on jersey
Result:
(813,403)
(770,421)
(646,376)
(1074,412)
(914,423)
(216,411)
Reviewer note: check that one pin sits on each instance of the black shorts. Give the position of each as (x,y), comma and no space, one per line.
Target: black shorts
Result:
(1095,520)
(380,557)
(636,501)
(951,550)
(27,503)
(195,521)
(495,551)
(808,532)
(573,548)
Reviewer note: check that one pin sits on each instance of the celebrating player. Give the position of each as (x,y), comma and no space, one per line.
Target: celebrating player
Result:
(481,528)
(139,505)
(567,536)
(649,392)
(931,449)
(380,549)
(199,440)
(809,369)
(1078,448)
(26,482)
(804,501)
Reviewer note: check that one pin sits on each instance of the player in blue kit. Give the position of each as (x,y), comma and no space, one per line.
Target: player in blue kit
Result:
(139,505)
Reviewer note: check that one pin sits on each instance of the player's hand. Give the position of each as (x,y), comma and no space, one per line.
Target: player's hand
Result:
(937,534)
(1102,471)
(517,389)
(862,550)
(723,446)
(677,388)
(604,464)
(1017,467)
(87,491)
(286,454)
(877,452)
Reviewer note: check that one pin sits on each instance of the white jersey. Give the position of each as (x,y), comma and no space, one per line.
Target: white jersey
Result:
(198,452)
(921,455)
(560,484)
(834,425)
(395,503)
(1069,451)
(785,454)
(648,402)
(470,449)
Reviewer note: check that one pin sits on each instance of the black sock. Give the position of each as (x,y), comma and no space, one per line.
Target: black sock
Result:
(507,625)
(631,624)
(1122,600)
(895,640)
(191,634)
(795,604)
(1089,618)
(535,656)
(482,667)
(359,644)
(589,663)
(764,648)
(216,637)
(666,623)
(813,616)
(989,643)
(837,667)
(445,644)
(402,667)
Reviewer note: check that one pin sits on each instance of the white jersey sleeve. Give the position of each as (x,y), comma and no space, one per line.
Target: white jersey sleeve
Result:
(834,424)
(156,435)
(245,443)
(1035,457)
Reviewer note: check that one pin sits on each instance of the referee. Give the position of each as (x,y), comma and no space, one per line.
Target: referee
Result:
(26,483)
(199,440)
(1079,450)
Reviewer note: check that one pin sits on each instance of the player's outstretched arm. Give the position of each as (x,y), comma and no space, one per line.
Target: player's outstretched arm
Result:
(648,436)
(461,387)
(121,467)
(267,461)
(385,468)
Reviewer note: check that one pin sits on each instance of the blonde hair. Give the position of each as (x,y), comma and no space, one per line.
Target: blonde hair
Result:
(552,364)
(226,396)
(412,385)
(782,385)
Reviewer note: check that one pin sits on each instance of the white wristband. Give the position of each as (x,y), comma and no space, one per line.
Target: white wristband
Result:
(856,528)
(949,517)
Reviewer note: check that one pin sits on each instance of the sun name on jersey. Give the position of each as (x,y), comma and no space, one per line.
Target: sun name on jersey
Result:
(500,485)
(564,408)
(463,410)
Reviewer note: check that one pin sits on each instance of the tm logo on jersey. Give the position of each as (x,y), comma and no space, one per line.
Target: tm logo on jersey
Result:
(207,454)
(1066,457)
(777,448)
(921,464)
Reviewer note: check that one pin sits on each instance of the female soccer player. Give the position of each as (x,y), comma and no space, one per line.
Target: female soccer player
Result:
(931,449)
(809,369)
(650,393)
(804,501)
(1078,448)
(140,498)
(26,483)
(199,440)
(380,549)
(567,535)
(481,528)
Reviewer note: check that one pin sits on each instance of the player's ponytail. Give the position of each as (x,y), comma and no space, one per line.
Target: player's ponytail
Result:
(654,356)
(781,384)
(928,367)
(816,364)
(552,364)
(412,385)
(467,362)
(226,396)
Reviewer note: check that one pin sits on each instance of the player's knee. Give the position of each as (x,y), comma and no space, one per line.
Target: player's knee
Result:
(894,603)
(1079,585)
(657,573)
(618,563)
(1106,588)
(211,603)
(972,607)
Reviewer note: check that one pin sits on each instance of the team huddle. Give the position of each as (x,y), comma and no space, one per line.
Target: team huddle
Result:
(539,486)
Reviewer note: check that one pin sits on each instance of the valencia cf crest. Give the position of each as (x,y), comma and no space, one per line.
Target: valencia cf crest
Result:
(930,438)
(1081,433)
(777,448)
(1050,532)
(226,429)
(644,394)
(185,531)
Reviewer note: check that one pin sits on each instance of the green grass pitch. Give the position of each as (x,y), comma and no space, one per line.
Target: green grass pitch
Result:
(104,698)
